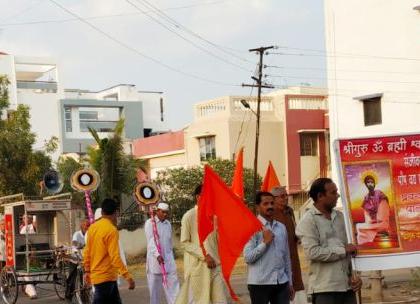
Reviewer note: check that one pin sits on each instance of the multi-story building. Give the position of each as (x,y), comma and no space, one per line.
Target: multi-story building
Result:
(373,67)
(163,151)
(101,111)
(35,82)
(67,114)
(293,135)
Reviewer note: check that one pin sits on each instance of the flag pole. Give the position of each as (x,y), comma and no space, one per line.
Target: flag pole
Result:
(159,248)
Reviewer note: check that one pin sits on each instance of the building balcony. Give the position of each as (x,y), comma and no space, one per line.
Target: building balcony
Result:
(98,125)
(230,106)
(39,86)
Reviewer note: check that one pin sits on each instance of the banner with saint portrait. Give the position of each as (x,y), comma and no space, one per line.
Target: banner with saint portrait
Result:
(380,188)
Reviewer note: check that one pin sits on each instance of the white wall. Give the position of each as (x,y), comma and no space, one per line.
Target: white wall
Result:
(374,29)
(44,111)
(7,67)
(309,169)
(151,106)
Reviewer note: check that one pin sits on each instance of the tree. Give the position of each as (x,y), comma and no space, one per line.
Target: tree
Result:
(4,92)
(66,166)
(116,169)
(178,184)
(21,168)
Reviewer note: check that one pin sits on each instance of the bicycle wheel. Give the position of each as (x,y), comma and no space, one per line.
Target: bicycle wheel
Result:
(82,293)
(60,281)
(9,285)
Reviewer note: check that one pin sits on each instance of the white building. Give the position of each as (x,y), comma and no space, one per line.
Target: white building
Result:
(373,65)
(35,82)
(67,114)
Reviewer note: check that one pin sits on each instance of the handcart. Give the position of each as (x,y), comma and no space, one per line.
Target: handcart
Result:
(37,242)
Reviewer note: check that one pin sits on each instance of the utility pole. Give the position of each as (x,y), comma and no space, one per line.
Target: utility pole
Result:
(259,84)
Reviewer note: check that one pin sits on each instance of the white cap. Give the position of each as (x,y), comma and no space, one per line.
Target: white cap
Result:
(98,213)
(163,206)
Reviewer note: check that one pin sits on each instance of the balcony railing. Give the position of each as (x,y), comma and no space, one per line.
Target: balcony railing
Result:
(43,86)
(231,106)
(98,125)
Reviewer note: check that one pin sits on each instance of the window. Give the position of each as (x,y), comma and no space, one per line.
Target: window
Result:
(88,115)
(372,111)
(67,118)
(207,147)
(99,119)
(308,144)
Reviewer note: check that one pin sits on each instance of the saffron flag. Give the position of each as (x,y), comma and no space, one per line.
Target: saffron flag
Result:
(236,224)
(238,176)
(270,179)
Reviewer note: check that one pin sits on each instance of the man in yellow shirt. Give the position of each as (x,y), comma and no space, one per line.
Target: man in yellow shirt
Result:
(101,256)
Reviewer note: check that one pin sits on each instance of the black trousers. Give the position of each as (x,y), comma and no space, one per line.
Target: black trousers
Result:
(106,293)
(273,294)
(347,297)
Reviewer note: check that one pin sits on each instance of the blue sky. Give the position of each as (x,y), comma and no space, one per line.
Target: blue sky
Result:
(90,60)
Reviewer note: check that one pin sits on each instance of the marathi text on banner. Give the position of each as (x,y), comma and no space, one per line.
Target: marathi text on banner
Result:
(382,193)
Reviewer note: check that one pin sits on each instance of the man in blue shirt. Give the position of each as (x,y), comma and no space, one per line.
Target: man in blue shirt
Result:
(268,258)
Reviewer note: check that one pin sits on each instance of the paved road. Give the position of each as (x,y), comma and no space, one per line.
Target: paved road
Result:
(138,296)
(141,294)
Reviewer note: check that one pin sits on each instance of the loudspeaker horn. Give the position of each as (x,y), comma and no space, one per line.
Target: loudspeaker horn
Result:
(85,180)
(146,194)
(52,182)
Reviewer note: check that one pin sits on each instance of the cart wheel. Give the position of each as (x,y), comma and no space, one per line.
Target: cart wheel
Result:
(60,281)
(82,293)
(9,285)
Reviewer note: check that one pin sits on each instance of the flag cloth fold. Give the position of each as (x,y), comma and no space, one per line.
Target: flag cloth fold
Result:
(236,224)
(270,179)
(238,176)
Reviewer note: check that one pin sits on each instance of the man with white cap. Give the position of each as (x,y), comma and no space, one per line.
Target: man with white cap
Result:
(156,259)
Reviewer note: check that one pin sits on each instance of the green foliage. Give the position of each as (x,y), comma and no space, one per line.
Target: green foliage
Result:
(178,184)
(117,170)
(51,145)
(4,92)
(66,166)
(21,168)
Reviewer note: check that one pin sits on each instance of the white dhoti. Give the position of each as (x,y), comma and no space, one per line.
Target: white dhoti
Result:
(153,268)
(155,287)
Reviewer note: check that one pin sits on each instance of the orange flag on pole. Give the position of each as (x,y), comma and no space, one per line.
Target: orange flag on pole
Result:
(270,179)
(236,224)
(238,176)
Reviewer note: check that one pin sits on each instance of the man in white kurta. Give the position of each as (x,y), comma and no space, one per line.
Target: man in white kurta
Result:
(202,274)
(155,260)
(28,227)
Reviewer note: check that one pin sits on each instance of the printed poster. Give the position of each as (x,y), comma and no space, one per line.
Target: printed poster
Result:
(9,240)
(381,179)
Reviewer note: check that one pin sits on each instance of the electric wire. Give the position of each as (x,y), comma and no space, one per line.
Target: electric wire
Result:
(345,55)
(184,38)
(107,16)
(180,26)
(136,51)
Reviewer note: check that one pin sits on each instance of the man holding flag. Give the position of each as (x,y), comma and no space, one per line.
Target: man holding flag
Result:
(268,258)
(203,280)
